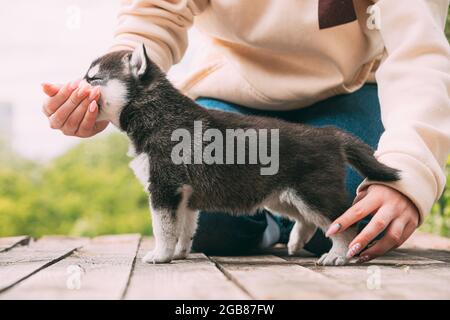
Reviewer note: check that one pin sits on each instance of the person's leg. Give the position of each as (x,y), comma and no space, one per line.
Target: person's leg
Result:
(357,113)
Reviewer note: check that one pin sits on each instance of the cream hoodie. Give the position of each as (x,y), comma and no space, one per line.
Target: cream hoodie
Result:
(288,54)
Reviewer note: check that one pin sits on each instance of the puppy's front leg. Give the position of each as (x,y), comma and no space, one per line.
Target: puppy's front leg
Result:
(166,233)
(337,254)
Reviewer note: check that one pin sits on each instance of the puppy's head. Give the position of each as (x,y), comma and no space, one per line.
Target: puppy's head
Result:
(120,75)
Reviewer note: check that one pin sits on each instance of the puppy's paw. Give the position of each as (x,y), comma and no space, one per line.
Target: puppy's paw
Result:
(332,259)
(180,254)
(157,257)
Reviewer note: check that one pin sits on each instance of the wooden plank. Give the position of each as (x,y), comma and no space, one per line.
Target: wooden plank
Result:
(422,240)
(395,276)
(271,277)
(11,242)
(22,262)
(393,258)
(98,270)
(194,278)
(439,255)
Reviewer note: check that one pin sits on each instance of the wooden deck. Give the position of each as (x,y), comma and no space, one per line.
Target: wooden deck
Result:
(109,267)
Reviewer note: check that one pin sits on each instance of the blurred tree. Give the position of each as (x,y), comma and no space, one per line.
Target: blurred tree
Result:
(447,27)
(438,221)
(88,191)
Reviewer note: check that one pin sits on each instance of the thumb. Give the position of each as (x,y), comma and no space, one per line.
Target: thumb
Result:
(359,196)
(50,89)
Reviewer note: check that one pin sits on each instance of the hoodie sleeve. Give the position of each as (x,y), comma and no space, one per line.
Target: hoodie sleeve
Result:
(414,90)
(160,24)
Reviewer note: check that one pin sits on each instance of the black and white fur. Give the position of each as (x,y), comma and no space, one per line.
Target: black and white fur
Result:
(309,187)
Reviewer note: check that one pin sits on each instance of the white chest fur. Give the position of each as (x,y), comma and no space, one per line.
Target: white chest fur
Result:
(141,167)
(113,97)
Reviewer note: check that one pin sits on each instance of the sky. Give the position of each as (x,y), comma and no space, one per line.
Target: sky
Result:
(53,41)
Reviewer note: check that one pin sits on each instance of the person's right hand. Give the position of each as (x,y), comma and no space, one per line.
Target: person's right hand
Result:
(72,108)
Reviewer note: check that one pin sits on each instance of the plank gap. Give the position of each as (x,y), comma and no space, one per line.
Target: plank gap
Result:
(133,266)
(48,264)
(9,243)
(230,277)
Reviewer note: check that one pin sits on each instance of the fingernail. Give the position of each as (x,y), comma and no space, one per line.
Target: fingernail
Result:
(93,106)
(353,250)
(363,259)
(333,229)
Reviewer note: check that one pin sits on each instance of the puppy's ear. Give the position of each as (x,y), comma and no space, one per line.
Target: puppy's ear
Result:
(139,62)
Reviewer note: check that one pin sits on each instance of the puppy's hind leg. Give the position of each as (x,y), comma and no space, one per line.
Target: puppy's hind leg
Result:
(338,252)
(300,234)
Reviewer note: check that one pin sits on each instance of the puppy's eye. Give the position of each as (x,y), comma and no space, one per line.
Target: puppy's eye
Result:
(94,80)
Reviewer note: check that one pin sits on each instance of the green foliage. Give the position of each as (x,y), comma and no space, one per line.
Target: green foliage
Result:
(438,221)
(88,191)
(447,27)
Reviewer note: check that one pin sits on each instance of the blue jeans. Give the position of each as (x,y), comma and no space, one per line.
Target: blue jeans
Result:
(357,113)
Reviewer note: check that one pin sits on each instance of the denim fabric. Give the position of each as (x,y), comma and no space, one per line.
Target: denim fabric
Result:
(357,113)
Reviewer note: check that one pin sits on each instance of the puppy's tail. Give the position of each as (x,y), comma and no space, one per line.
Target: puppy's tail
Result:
(360,156)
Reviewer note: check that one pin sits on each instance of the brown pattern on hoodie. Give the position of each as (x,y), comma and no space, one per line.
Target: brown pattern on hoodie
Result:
(333,13)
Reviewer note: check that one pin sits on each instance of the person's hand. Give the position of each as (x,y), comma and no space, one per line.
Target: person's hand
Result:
(72,108)
(392,211)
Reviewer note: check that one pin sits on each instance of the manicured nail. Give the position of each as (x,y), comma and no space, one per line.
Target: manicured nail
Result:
(93,106)
(333,229)
(353,250)
(363,258)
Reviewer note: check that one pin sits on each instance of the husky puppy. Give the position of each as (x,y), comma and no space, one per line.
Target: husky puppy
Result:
(308,187)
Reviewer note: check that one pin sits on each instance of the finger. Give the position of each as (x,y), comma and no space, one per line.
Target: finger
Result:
(87,126)
(58,119)
(359,196)
(100,126)
(409,230)
(397,233)
(73,123)
(380,221)
(355,213)
(58,100)
(50,89)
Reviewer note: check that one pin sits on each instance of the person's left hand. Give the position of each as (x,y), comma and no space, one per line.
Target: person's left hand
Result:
(391,211)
